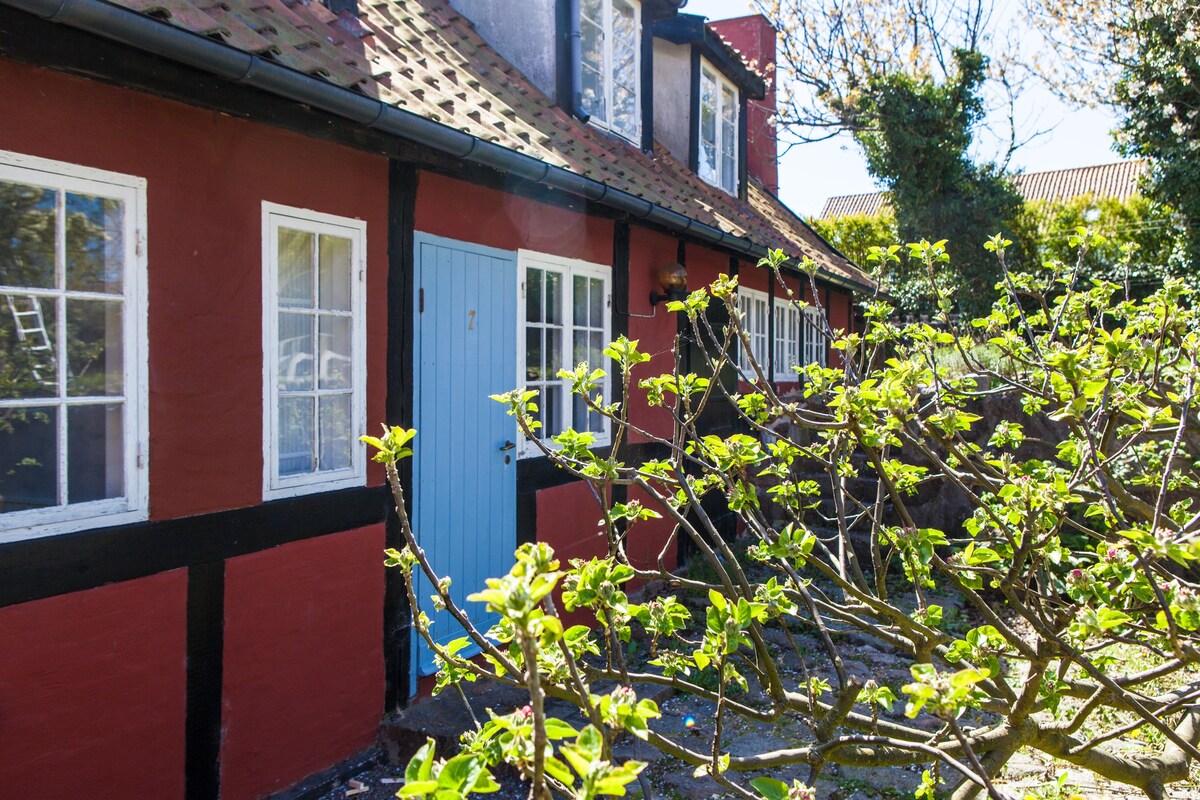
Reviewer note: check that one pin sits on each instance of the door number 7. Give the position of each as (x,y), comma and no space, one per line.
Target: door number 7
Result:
(471,321)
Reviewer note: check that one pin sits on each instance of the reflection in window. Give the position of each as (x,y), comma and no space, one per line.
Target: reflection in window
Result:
(566,315)
(67,420)
(315,389)
(787,339)
(815,338)
(719,109)
(611,64)
(754,307)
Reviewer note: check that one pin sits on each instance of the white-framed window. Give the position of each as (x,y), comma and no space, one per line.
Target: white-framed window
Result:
(787,340)
(565,320)
(611,65)
(719,111)
(755,307)
(815,339)
(73,421)
(314,351)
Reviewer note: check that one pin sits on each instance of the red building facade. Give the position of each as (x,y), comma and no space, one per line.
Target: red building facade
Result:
(231,631)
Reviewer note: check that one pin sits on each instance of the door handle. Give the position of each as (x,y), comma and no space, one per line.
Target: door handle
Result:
(508,445)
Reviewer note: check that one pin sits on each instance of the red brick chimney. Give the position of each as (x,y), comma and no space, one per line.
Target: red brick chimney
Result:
(754,38)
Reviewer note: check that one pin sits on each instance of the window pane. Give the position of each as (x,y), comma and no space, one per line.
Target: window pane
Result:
(94,348)
(554,348)
(336,432)
(554,298)
(95,243)
(533,295)
(533,354)
(593,68)
(579,348)
(579,299)
(295,435)
(552,410)
(295,268)
(729,137)
(27,336)
(581,420)
(27,232)
(595,347)
(625,112)
(95,449)
(335,273)
(295,352)
(28,458)
(335,353)
(597,302)
(708,128)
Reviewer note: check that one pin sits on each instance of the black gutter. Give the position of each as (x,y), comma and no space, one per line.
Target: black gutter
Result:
(176,44)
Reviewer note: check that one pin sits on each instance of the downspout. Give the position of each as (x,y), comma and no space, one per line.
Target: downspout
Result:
(575,58)
(181,46)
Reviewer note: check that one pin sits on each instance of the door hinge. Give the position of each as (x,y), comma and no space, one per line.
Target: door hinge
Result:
(141,461)
(421,301)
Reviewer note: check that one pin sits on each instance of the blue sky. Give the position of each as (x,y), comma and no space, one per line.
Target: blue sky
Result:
(810,173)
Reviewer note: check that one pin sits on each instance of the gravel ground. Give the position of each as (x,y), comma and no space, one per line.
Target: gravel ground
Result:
(669,779)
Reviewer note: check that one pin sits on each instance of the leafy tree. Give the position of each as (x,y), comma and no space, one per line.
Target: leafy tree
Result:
(1143,246)
(1074,556)
(1143,58)
(918,149)
(855,234)
(906,78)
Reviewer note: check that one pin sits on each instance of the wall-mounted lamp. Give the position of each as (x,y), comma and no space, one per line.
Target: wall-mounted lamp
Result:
(672,278)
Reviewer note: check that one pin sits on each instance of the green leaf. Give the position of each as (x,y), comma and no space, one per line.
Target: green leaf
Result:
(770,788)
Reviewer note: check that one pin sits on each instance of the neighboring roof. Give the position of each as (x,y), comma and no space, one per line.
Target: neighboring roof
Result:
(1117,181)
(869,204)
(423,57)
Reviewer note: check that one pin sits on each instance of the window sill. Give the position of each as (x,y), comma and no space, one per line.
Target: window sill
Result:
(315,485)
(36,524)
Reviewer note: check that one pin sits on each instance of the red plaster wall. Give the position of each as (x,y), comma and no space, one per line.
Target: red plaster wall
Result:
(459,210)
(647,539)
(649,250)
(839,320)
(207,177)
(93,693)
(567,518)
(303,659)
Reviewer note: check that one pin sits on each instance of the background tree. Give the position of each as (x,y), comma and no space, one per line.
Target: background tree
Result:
(855,234)
(1152,230)
(918,148)
(1143,58)
(907,79)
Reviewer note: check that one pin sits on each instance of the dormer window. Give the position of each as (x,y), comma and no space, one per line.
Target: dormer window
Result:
(611,65)
(719,107)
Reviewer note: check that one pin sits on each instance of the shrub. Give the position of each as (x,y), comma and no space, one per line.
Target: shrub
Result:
(1074,566)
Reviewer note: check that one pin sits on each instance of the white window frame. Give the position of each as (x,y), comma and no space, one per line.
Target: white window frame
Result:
(134,506)
(275,216)
(608,67)
(568,268)
(754,307)
(815,349)
(787,340)
(713,76)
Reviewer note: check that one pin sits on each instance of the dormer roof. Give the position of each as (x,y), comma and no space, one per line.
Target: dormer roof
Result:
(423,57)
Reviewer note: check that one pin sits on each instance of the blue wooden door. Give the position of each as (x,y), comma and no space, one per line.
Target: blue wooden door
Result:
(465,468)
